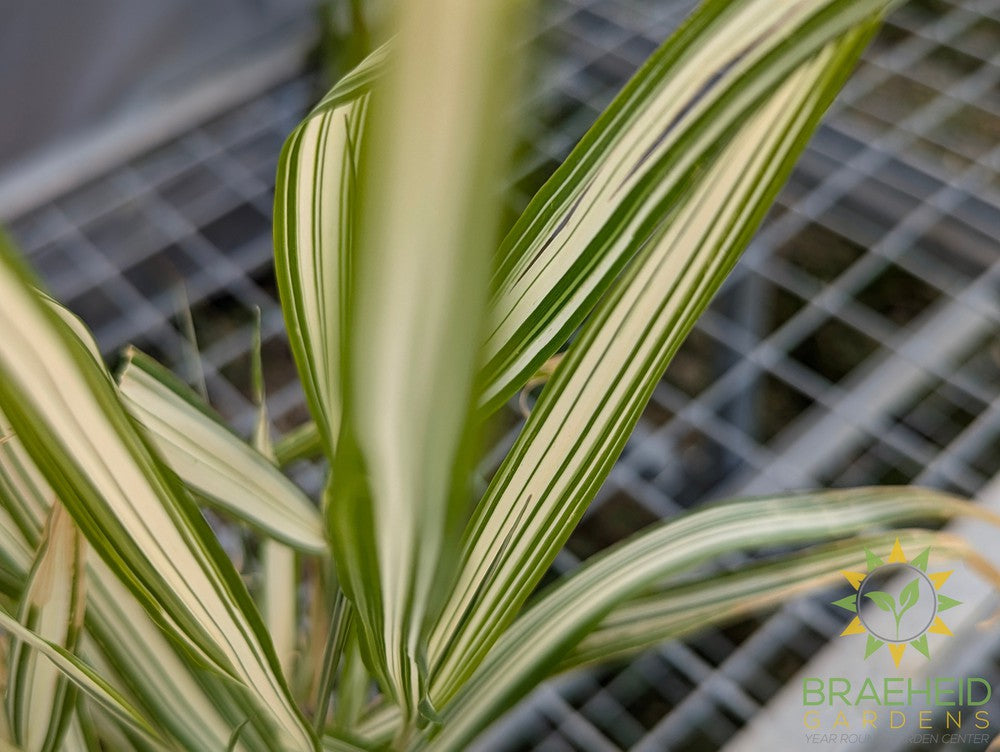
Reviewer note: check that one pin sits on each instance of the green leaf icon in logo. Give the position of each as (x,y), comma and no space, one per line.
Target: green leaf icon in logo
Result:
(908,598)
(883,600)
(926,594)
(909,595)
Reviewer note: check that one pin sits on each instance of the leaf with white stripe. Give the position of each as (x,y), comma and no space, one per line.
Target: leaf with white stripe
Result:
(315,199)
(15,553)
(637,163)
(198,708)
(696,604)
(279,573)
(213,461)
(77,740)
(333,744)
(314,217)
(303,442)
(588,409)
(425,234)
(40,700)
(314,229)
(357,82)
(135,515)
(564,613)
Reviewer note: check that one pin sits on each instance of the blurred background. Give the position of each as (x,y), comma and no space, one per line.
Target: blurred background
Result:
(858,341)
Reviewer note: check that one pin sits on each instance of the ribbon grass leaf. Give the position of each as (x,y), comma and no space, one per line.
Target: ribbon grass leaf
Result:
(195,706)
(211,460)
(679,610)
(427,218)
(81,675)
(40,700)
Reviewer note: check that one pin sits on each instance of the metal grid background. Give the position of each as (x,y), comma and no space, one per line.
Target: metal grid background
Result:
(857,342)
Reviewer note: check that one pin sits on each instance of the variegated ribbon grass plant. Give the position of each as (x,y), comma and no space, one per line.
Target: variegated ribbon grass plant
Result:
(127,627)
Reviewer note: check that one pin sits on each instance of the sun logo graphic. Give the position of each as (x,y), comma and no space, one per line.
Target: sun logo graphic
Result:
(897,603)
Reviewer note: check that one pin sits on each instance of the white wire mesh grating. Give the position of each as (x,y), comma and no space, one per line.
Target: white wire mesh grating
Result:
(857,342)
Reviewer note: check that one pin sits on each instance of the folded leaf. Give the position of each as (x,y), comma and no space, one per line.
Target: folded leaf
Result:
(314,229)
(646,621)
(357,82)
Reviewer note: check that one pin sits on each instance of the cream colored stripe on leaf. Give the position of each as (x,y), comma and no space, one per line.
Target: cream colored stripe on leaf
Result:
(314,208)
(182,698)
(625,176)
(79,674)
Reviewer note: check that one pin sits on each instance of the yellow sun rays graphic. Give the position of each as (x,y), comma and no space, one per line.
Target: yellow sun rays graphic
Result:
(886,602)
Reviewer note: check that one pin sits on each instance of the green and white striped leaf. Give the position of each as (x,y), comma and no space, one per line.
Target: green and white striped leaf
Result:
(25,497)
(332,657)
(303,442)
(358,82)
(81,675)
(39,699)
(427,228)
(642,157)
(197,708)
(213,461)
(696,604)
(74,324)
(102,732)
(314,230)
(353,684)
(279,573)
(314,217)
(76,740)
(15,553)
(618,184)
(379,725)
(563,614)
(587,411)
(333,744)
(66,412)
